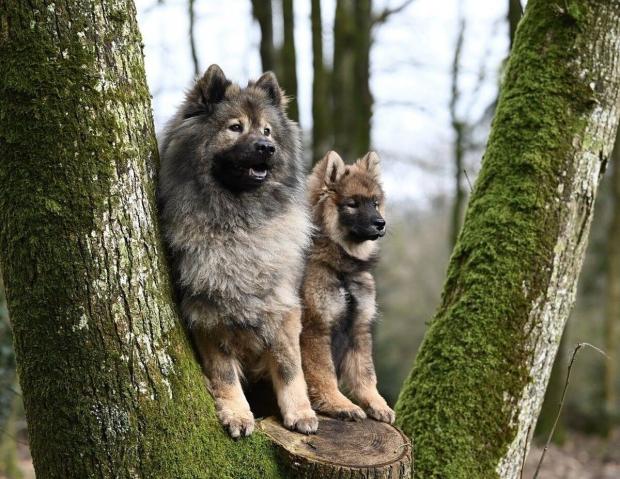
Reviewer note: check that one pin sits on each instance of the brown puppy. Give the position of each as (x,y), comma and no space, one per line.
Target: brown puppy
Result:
(339,291)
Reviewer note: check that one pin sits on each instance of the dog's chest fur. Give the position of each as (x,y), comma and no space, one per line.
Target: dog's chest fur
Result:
(242,277)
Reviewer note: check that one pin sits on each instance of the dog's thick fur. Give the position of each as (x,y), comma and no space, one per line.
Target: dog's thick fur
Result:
(234,218)
(339,291)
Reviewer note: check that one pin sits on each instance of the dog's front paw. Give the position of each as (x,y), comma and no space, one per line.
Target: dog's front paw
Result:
(381,412)
(304,421)
(238,423)
(339,408)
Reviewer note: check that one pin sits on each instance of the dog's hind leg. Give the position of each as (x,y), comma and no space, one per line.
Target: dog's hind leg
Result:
(288,379)
(358,374)
(222,371)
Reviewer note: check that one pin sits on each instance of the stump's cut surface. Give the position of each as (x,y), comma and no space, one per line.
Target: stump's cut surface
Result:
(344,449)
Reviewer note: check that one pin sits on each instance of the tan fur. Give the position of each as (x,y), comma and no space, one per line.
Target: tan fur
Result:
(338,294)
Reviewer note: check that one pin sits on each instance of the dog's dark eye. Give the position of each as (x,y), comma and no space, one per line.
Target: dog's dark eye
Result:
(351,203)
(267,131)
(236,127)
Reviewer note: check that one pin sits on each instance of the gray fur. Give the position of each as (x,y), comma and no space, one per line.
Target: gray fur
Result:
(237,257)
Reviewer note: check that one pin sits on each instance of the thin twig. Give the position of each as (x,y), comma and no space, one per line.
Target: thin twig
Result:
(192,37)
(388,12)
(527,438)
(471,188)
(557,417)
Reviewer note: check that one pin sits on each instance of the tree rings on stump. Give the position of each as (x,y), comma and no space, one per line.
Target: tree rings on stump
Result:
(343,449)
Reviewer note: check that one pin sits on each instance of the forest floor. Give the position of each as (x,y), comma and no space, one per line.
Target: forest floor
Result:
(580,457)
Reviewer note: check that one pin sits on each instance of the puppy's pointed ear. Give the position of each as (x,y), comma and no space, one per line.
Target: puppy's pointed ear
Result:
(213,85)
(269,83)
(370,162)
(334,168)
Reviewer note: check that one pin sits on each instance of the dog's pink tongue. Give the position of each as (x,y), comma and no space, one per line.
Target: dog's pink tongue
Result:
(258,174)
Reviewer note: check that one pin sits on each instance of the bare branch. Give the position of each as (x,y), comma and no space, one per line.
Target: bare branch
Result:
(388,12)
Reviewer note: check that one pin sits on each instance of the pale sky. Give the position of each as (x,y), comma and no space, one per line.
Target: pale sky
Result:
(410,72)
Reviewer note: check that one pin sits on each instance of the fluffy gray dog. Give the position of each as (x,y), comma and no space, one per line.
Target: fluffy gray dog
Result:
(234,217)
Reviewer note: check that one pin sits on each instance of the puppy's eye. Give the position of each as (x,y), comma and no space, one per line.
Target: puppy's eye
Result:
(236,127)
(351,203)
(267,131)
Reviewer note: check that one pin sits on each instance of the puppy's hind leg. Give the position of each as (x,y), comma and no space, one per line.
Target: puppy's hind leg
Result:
(358,375)
(288,379)
(221,369)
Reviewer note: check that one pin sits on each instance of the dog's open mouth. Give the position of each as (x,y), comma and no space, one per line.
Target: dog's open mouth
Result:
(258,172)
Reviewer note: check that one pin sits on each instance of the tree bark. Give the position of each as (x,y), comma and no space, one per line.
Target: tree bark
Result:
(321,102)
(478,382)
(110,384)
(262,11)
(612,319)
(288,63)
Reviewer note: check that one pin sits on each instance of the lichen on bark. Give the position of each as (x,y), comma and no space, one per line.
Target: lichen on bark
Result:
(478,382)
(110,384)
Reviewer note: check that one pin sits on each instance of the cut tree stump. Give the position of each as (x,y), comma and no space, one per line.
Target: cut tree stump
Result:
(341,449)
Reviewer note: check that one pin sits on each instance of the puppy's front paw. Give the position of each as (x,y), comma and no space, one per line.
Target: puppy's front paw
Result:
(340,408)
(238,423)
(304,421)
(381,412)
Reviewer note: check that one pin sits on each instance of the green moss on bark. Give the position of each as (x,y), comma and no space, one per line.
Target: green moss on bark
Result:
(459,404)
(110,384)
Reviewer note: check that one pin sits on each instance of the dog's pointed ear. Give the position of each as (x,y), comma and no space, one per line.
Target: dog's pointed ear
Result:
(334,167)
(212,86)
(269,83)
(370,162)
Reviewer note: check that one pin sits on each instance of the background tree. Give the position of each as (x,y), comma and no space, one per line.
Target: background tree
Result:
(9,396)
(321,101)
(288,59)
(192,36)
(612,319)
(479,379)
(262,12)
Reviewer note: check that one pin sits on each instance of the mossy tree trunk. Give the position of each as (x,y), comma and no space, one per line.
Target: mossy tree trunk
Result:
(515,11)
(321,102)
(612,319)
(110,384)
(478,382)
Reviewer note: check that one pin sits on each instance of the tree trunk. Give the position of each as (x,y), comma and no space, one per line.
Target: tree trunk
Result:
(288,63)
(262,11)
(192,36)
(321,102)
(515,11)
(478,382)
(355,450)
(110,384)
(612,320)
(351,96)
(458,127)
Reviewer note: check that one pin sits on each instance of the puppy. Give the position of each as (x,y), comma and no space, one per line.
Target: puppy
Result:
(338,292)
